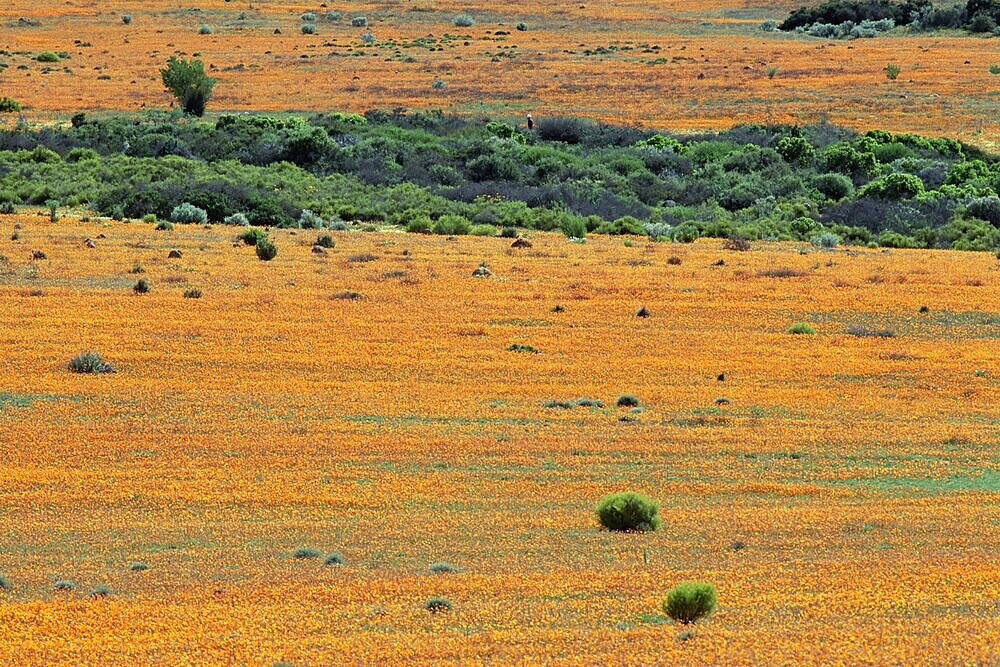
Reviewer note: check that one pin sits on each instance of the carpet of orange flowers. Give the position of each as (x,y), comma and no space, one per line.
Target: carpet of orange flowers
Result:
(842,492)
(680,65)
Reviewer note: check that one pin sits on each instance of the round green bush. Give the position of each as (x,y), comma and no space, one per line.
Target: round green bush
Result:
(266,250)
(689,600)
(801,328)
(628,511)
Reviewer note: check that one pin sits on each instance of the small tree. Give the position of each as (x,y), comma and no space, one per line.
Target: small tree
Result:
(187,81)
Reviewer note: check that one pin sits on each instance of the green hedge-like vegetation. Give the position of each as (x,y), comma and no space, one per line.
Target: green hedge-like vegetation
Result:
(433,173)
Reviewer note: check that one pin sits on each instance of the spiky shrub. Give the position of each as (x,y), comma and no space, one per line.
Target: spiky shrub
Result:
(309,220)
(437,605)
(187,81)
(266,251)
(188,214)
(463,21)
(101,591)
(891,71)
(800,328)
(689,600)
(89,362)
(628,511)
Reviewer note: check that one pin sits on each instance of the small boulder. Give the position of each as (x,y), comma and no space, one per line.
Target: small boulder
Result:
(175,254)
(521,243)
(318,250)
(482,271)
(90,243)
(642,312)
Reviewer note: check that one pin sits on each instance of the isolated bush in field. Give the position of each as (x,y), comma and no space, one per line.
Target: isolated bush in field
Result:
(359,21)
(187,81)
(4,583)
(188,214)
(164,226)
(454,225)
(309,220)
(892,71)
(64,585)
(266,250)
(100,591)
(306,552)
(628,511)
(367,38)
(252,235)
(325,241)
(825,240)
(53,206)
(522,27)
(204,29)
(463,21)
(237,220)
(801,328)
(9,105)
(308,28)
(628,401)
(689,601)
(420,224)
(437,605)
(574,228)
(442,568)
(48,57)
(141,286)
(308,17)
(126,19)
(521,347)
(334,558)
(89,362)
(193,293)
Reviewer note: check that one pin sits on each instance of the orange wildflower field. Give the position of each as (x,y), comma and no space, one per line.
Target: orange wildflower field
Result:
(675,65)
(841,491)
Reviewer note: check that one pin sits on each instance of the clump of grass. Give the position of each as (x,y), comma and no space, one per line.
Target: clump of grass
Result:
(164,226)
(585,402)
(362,258)
(463,21)
(628,511)
(780,272)
(193,293)
(334,558)
(348,295)
(437,605)
(306,552)
(689,601)
(801,328)
(521,347)
(138,566)
(64,585)
(866,332)
(89,362)
(101,591)
(628,401)
(442,568)
(674,261)
(565,405)
(141,286)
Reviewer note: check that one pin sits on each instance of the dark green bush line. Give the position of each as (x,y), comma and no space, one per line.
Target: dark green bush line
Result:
(862,18)
(432,173)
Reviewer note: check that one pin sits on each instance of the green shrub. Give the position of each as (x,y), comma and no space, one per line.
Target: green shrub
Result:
(252,235)
(138,566)
(53,206)
(308,29)
(309,220)
(628,401)
(48,57)
(266,251)
(126,19)
(141,286)
(801,328)
(689,601)
(100,591)
(437,605)
(308,17)
(325,241)
(452,225)
(334,558)
(520,347)
(420,224)
(522,27)
(834,186)
(64,585)
(164,226)
(893,186)
(628,511)
(306,552)
(204,29)
(795,150)
(4,583)
(9,105)
(193,293)
(463,21)
(892,71)
(187,81)
(89,362)
(188,214)
(442,568)
(359,21)
(825,240)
